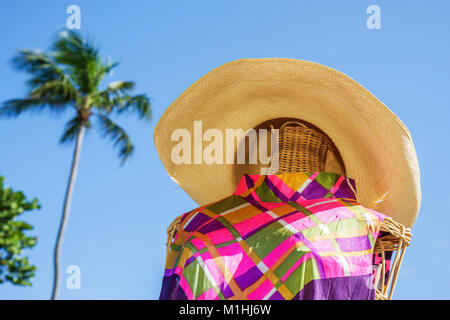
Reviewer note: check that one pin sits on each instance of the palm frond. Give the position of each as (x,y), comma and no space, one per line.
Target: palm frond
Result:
(14,107)
(36,61)
(116,98)
(70,75)
(85,66)
(139,104)
(46,74)
(118,135)
(71,131)
(60,90)
(107,99)
(120,86)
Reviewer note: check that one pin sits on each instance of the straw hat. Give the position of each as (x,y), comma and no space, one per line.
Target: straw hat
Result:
(375,146)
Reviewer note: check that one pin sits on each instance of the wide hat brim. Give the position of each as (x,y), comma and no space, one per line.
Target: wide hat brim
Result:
(376,147)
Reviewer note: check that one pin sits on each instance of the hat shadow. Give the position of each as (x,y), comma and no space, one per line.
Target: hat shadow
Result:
(333,162)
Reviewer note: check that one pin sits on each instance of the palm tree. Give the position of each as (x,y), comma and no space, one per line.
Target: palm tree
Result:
(69,77)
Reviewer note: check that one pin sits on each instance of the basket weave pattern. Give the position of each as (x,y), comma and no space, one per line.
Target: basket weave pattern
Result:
(397,239)
(301,148)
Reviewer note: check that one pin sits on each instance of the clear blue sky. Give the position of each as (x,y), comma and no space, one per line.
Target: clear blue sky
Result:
(116,232)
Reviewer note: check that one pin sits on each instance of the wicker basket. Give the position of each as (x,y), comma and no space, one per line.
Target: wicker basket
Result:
(395,241)
(303,148)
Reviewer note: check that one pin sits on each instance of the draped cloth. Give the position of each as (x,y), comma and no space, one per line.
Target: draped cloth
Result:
(287,236)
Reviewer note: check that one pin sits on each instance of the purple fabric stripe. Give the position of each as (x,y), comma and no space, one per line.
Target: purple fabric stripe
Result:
(360,243)
(169,272)
(317,257)
(350,288)
(249,182)
(276,296)
(189,260)
(248,278)
(344,191)
(295,196)
(314,190)
(353,183)
(255,203)
(275,190)
(211,226)
(226,290)
(171,289)
(195,223)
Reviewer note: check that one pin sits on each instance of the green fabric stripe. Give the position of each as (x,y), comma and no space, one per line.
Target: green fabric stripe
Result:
(306,272)
(200,273)
(229,227)
(359,212)
(290,260)
(175,247)
(266,194)
(226,204)
(327,179)
(188,246)
(271,236)
(306,212)
(196,277)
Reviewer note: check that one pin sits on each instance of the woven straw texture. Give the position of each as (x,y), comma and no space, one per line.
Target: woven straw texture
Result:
(375,145)
(301,148)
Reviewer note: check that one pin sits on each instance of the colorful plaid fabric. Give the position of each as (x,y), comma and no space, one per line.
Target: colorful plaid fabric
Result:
(286,236)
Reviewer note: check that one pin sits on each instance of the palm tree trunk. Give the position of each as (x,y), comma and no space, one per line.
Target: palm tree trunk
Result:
(65,214)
